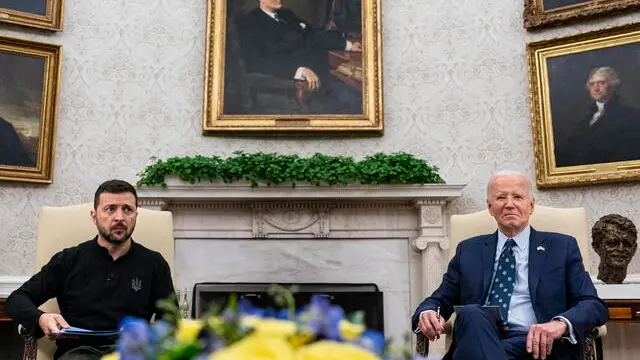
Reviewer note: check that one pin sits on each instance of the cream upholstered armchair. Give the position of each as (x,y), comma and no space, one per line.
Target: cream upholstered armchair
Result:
(67,226)
(570,221)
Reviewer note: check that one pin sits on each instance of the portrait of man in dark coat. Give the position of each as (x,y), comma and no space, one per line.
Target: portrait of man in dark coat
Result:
(608,131)
(281,50)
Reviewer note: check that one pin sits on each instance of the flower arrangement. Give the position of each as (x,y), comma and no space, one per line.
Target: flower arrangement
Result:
(240,331)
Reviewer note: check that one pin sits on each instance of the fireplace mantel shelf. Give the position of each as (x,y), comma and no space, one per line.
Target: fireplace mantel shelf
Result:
(180,191)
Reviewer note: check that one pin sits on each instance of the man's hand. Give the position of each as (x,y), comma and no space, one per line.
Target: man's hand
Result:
(430,325)
(356,47)
(311,78)
(541,337)
(50,323)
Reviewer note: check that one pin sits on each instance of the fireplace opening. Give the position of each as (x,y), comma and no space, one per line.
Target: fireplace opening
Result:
(351,297)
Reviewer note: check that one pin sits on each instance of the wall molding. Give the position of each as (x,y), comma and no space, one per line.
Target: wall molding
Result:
(10,283)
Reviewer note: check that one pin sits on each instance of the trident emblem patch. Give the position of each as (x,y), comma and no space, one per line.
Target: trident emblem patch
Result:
(136,284)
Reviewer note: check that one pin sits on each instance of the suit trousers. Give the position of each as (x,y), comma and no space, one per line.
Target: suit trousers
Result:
(478,336)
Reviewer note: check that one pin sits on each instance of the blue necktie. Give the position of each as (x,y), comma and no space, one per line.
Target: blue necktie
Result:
(505,280)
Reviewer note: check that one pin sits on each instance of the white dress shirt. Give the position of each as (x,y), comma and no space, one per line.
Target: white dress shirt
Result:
(521,314)
(598,114)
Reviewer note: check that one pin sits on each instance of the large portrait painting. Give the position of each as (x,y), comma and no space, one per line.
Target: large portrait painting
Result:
(293,66)
(585,109)
(44,14)
(29,78)
(541,13)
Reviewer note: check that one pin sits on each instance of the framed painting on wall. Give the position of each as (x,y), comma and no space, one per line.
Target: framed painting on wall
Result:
(585,112)
(541,13)
(278,66)
(43,14)
(29,83)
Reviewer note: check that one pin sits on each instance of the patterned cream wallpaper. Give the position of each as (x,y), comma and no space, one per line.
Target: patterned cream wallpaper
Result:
(455,87)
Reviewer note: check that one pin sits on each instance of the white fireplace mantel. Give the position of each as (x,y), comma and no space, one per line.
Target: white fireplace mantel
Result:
(287,234)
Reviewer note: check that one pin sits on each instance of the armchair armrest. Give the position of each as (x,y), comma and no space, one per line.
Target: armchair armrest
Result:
(422,345)
(30,344)
(592,346)
(598,332)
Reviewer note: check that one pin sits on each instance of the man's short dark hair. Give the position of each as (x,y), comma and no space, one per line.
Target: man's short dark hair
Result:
(114,187)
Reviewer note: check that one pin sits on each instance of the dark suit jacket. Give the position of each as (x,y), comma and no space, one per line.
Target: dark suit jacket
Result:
(614,137)
(11,150)
(280,48)
(558,284)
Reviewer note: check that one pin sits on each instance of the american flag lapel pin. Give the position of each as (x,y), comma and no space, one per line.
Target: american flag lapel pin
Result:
(540,248)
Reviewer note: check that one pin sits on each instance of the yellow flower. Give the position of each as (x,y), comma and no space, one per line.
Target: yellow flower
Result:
(256,347)
(112,356)
(249,321)
(301,338)
(331,350)
(350,331)
(188,330)
(216,323)
(273,327)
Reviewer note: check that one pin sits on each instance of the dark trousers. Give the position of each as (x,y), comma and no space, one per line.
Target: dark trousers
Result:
(87,353)
(478,337)
(335,97)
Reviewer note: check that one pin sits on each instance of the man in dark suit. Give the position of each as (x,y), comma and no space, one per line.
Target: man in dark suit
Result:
(608,132)
(276,42)
(546,299)
(11,150)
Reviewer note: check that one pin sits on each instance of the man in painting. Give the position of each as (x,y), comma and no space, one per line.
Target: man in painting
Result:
(610,130)
(11,150)
(276,42)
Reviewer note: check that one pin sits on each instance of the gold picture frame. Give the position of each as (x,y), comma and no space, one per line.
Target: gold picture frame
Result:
(586,122)
(544,13)
(42,14)
(30,81)
(248,89)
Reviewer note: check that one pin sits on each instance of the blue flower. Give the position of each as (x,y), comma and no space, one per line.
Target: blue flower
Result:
(372,341)
(135,338)
(322,318)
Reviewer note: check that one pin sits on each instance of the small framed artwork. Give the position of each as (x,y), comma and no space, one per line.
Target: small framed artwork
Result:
(275,66)
(43,14)
(542,13)
(29,86)
(585,108)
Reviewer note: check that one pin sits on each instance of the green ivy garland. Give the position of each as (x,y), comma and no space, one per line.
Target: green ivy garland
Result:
(396,168)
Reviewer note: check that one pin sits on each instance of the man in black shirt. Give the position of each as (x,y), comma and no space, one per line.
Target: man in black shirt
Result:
(96,283)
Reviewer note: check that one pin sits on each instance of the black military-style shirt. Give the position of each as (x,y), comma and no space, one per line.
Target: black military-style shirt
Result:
(93,290)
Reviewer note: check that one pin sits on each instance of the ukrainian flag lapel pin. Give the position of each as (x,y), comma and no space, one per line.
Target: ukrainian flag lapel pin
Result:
(540,248)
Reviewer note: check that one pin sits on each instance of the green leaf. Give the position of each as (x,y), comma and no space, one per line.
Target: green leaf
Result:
(274,169)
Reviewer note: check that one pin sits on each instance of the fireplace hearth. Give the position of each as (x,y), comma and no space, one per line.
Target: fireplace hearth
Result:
(351,297)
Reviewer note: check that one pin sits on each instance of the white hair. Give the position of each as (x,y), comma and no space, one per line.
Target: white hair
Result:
(606,72)
(493,177)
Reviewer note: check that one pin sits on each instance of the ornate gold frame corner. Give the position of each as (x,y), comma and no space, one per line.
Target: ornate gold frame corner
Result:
(52,55)
(215,122)
(52,20)
(535,17)
(548,175)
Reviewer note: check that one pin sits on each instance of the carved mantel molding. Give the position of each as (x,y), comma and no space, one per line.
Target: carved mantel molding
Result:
(417,213)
